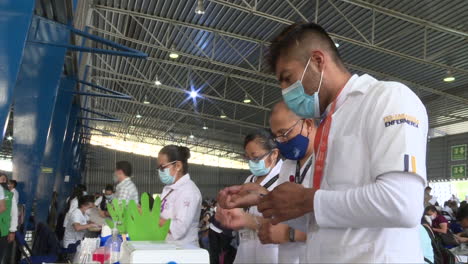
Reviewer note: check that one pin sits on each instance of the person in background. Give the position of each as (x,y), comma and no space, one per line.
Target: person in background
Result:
(125,189)
(78,222)
(447,211)
(427,196)
(4,180)
(462,218)
(102,201)
(295,140)
(203,232)
(258,239)
(12,187)
(8,218)
(181,198)
(439,222)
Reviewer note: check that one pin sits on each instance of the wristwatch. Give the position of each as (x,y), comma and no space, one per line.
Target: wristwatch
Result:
(292,235)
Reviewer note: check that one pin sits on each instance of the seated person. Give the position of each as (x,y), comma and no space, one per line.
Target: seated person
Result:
(102,201)
(462,218)
(78,222)
(439,223)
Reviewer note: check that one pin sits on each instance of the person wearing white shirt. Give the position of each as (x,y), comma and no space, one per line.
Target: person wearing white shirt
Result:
(258,238)
(366,199)
(181,198)
(78,221)
(295,140)
(12,187)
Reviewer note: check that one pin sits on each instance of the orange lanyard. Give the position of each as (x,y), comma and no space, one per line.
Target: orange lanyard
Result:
(321,145)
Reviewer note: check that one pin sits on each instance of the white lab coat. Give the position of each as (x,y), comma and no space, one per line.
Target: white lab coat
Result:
(250,248)
(370,202)
(295,252)
(183,207)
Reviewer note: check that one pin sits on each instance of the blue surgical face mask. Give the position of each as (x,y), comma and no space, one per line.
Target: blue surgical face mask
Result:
(258,168)
(302,104)
(165,177)
(295,148)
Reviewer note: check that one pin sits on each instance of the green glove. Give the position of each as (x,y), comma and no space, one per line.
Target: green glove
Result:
(144,226)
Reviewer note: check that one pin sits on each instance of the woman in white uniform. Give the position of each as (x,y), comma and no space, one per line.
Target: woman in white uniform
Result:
(265,165)
(181,198)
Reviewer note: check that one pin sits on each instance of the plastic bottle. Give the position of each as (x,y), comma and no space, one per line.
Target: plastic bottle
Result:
(113,247)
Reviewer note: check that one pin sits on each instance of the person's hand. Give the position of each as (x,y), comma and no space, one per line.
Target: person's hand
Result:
(241,196)
(11,237)
(232,218)
(273,234)
(287,201)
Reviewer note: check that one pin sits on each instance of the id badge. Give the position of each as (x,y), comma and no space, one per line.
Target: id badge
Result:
(246,234)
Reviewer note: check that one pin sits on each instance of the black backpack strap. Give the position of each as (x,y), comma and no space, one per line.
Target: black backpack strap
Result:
(271,182)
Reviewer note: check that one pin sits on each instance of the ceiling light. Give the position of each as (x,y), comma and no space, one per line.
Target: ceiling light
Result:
(173,54)
(145,101)
(191,135)
(247,99)
(10,138)
(193,94)
(138,115)
(449,77)
(222,115)
(157,82)
(205,127)
(200,10)
(337,44)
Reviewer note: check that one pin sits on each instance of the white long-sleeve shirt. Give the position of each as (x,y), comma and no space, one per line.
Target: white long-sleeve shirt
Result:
(182,204)
(371,197)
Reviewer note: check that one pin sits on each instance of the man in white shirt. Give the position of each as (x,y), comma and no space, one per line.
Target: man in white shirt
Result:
(125,189)
(366,199)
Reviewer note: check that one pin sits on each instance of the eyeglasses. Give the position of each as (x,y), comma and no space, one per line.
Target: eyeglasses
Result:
(258,159)
(162,167)
(284,137)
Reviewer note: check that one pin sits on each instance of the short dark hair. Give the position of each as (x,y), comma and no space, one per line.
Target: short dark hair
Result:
(86,199)
(177,153)
(431,208)
(428,188)
(125,167)
(462,212)
(262,136)
(296,33)
(109,187)
(15,183)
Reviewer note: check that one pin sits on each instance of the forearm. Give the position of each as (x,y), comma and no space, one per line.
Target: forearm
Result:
(440,230)
(393,200)
(79,227)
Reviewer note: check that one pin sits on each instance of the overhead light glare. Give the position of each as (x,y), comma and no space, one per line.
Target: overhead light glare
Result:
(145,101)
(205,127)
(449,77)
(10,138)
(247,99)
(138,115)
(193,94)
(222,115)
(191,135)
(157,82)
(173,54)
(337,44)
(200,10)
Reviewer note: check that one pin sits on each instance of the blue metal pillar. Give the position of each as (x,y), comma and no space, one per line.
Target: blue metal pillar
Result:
(63,184)
(35,97)
(14,25)
(53,149)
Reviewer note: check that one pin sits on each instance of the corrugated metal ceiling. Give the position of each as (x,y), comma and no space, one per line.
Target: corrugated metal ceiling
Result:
(222,53)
